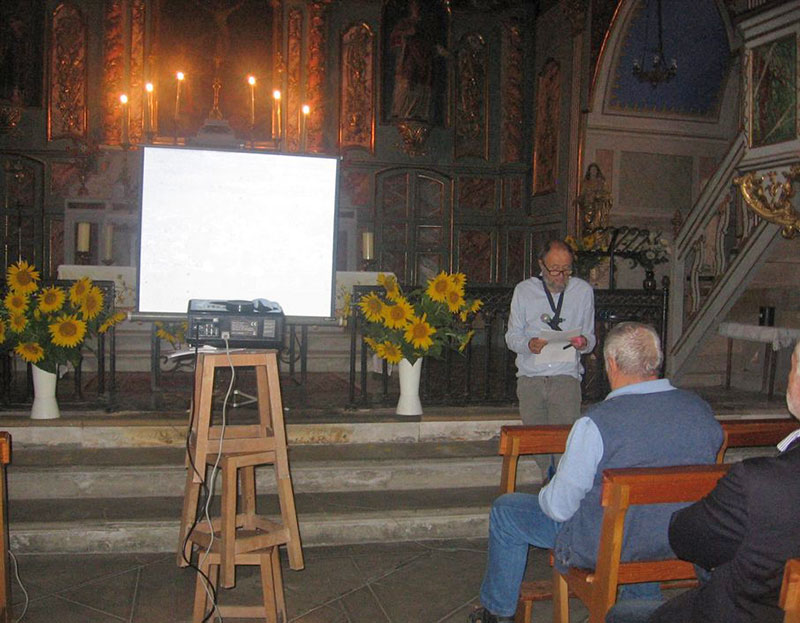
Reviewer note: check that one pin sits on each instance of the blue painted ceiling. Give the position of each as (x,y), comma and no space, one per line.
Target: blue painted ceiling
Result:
(694,35)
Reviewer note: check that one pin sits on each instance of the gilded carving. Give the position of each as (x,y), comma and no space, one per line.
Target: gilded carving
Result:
(293,103)
(471,98)
(136,79)
(315,81)
(113,66)
(545,140)
(357,109)
(771,199)
(512,93)
(67,89)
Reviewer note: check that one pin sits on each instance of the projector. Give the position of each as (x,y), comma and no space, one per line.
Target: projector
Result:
(244,324)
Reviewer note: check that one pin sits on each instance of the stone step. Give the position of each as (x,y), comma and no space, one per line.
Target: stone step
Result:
(138,473)
(151,524)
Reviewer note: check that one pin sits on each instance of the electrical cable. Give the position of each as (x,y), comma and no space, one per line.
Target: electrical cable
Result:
(21,585)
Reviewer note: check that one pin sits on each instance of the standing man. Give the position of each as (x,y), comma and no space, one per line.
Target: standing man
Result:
(549,378)
(743,532)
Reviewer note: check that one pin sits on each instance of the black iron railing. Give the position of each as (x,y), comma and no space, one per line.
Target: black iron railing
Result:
(485,373)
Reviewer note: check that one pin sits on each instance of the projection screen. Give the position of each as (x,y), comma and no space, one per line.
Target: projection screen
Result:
(225,225)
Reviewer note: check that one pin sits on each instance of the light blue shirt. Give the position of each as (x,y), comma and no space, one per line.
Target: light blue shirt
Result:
(528,304)
(562,496)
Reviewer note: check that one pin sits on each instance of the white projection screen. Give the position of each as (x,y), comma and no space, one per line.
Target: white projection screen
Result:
(224,225)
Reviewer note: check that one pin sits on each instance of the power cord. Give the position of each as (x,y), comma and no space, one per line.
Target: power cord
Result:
(21,585)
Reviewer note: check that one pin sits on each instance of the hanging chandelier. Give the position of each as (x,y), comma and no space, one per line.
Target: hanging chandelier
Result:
(657,71)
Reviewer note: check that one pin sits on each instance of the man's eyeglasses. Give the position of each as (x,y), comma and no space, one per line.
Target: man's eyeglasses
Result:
(554,272)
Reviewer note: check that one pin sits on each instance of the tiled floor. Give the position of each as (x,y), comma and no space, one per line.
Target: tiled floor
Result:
(431,582)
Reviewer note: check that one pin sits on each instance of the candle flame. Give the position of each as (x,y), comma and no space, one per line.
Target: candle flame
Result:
(251,80)
(148,87)
(276,94)
(180,75)
(306,109)
(123,98)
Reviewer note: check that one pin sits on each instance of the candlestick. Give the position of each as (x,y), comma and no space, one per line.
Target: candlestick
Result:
(179,76)
(108,243)
(367,245)
(251,80)
(148,111)
(304,112)
(276,109)
(84,232)
(123,99)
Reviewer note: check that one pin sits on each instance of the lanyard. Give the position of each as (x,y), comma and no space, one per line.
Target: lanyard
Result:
(555,321)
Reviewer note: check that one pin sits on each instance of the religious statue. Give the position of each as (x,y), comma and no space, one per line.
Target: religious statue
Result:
(595,201)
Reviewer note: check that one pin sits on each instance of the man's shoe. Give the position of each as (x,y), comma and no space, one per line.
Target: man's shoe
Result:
(482,615)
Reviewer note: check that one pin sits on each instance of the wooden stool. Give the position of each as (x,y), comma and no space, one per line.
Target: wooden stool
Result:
(273,608)
(243,447)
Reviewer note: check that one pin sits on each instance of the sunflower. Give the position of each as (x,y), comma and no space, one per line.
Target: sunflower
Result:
(455,300)
(390,352)
(79,290)
(476,305)
(92,303)
(111,321)
(371,343)
(465,340)
(51,299)
(22,277)
(389,284)
(459,280)
(419,332)
(30,351)
(16,303)
(397,316)
(438,287)
(372,307)
(67,330)
(17,322)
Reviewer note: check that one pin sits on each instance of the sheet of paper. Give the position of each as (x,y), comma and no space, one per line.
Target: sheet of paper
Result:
(555,351)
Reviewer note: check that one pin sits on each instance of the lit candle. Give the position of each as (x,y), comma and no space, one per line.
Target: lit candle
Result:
(367,245)
(123,99)
(251,80)
(180,76)
(149,117)
(108,242)
(304,112)
(84,231)
(276,108)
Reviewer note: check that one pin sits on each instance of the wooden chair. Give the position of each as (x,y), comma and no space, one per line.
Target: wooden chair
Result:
(623,488)
(5,577)
(790,591)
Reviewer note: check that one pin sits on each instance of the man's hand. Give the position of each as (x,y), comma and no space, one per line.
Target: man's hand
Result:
(579,342)
(536,344)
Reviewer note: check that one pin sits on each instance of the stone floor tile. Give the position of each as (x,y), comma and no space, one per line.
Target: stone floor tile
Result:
(53,609)
(113,594)
(363,606)
(319,583)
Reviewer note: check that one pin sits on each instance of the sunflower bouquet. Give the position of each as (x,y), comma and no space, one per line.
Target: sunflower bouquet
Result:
(47,326)
(419,324)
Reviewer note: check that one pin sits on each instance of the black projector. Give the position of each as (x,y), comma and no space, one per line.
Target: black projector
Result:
(244,324)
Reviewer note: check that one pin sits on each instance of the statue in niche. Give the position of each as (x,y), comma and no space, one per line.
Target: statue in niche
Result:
(594,201)
(415,67)
(225,40)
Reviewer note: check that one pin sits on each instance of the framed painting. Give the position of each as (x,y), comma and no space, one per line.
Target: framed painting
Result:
(773,92)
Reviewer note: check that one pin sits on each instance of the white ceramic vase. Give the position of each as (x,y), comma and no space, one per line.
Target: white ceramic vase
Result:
(45,406)
(409,403)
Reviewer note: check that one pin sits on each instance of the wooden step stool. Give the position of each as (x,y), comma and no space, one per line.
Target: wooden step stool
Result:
(242,448)
(273,608)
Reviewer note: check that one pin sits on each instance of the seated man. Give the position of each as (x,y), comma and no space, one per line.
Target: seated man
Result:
(743,532)
(643,422)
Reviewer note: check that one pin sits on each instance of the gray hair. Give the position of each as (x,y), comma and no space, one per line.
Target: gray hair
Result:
(635,347)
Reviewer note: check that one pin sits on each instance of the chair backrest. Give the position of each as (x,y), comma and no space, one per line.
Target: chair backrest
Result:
(790,591)
(623,488)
